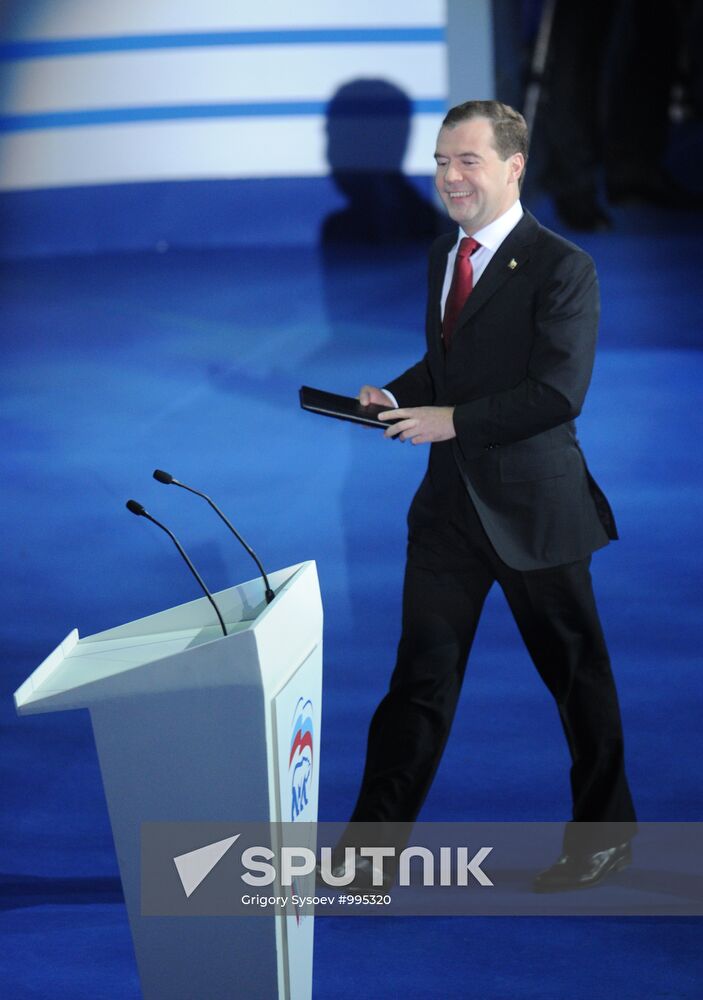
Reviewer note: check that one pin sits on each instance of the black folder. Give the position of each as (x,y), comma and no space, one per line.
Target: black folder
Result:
(329,404)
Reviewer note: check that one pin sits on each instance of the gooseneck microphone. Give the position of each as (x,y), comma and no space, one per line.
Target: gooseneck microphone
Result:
(168,479)
(139,510)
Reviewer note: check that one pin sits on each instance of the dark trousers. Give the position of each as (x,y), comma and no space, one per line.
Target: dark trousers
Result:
(451,566)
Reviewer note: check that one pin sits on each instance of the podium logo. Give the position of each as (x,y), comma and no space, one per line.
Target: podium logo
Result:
(300,758)
(195,866)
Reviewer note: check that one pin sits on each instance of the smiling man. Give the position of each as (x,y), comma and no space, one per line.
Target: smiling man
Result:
(511,326)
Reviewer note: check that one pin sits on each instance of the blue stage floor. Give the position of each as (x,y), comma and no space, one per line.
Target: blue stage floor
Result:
(191,362)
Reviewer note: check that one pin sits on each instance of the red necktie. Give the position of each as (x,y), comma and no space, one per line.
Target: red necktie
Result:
(461,287)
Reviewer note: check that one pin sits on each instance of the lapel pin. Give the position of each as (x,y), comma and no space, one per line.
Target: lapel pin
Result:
(513,264)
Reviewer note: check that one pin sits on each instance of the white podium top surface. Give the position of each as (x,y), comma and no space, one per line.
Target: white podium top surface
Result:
(117,662)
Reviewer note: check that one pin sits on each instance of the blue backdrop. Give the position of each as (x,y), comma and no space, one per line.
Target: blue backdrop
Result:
(190,360)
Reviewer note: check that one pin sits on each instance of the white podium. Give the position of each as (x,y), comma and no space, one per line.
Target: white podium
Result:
(191,726)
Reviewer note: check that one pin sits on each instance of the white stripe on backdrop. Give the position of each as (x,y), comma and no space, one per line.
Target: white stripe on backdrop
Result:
(220,148)
(25,19)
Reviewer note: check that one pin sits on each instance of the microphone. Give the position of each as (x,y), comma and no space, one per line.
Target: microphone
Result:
(166,478)
(140,511)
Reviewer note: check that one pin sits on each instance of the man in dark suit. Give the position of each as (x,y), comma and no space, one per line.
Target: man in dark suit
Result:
(511,327)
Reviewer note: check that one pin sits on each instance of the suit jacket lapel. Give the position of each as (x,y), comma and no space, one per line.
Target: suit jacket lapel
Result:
(437,272)
(513,252)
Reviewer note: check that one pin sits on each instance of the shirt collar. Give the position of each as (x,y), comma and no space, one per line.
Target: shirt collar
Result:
(492,235)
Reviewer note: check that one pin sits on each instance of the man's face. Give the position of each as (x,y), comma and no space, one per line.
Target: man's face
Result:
(475,185)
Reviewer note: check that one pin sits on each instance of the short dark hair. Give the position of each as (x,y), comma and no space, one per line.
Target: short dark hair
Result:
(509,127)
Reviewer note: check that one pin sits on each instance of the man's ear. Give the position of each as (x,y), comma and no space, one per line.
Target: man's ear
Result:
(517,166)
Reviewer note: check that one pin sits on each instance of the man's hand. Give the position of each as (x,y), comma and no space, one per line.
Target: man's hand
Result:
(421,424)
(370,394)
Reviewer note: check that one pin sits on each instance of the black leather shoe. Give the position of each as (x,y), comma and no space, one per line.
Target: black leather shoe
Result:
(581,871)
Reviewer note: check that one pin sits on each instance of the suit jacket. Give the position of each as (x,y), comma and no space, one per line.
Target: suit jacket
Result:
(517,372)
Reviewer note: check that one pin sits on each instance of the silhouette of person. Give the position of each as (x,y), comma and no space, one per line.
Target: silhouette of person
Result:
(368,124)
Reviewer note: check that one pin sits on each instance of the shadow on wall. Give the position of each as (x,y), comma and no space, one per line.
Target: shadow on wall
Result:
(373,265)
(368,124)
(372,272)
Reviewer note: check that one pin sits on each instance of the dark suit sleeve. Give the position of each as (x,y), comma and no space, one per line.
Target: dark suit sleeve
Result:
(559,368)
(414,387)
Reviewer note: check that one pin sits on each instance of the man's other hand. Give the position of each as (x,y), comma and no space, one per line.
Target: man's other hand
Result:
(421,424)
(371,394)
